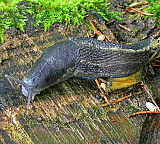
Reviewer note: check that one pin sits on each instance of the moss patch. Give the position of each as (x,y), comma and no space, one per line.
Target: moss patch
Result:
(49,12)
(154,8)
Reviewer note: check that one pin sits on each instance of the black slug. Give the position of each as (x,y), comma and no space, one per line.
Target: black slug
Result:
(85,58)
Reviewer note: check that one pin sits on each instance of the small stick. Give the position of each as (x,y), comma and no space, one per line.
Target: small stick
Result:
(150,95)
(95,29)
(118,100)
(122,98)
(138,4)
(144,13)
(144,112)
(106,99)
(139,92)
(128,29)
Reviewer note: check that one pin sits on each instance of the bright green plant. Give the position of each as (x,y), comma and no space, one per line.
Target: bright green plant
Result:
(48,12)
(154,8)
(70,11)
(11,19)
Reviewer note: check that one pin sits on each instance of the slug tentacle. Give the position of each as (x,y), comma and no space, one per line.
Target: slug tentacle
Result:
(26,90)
(9,78)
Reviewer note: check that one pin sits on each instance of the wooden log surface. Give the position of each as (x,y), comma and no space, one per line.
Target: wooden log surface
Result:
(68,112)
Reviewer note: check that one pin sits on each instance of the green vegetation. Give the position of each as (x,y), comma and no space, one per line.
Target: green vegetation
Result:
(154,8)
(50,12)
(13,17)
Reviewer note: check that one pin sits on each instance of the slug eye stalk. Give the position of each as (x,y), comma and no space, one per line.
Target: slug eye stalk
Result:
(26,90)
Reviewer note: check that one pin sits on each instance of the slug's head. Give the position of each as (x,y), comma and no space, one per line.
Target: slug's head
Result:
(26,89)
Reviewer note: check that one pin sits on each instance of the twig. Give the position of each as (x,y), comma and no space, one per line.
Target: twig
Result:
(144,13)
(122,98)
(156,65)
(150,95)
(128,29)
(118,100)
(144,112)
(138,4)
(106,99)
(95,29)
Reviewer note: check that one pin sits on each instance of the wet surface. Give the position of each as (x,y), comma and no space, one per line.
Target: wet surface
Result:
(70,111)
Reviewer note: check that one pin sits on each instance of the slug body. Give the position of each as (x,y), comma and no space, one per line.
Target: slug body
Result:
(85,58)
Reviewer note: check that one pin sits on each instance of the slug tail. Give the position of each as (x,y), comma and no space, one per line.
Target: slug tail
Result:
(143,45)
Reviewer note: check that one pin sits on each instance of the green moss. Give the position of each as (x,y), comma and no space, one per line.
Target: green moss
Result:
(154,8)
(50,12)
(11,19)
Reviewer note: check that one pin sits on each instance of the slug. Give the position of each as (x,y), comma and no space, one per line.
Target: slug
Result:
(84,58)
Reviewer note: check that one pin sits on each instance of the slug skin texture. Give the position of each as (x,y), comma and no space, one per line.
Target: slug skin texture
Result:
(86,58)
